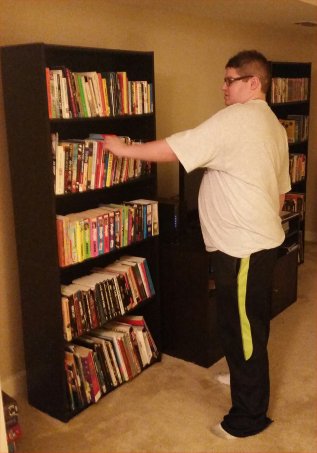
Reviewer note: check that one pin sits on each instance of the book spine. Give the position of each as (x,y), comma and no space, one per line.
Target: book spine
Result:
(48,91)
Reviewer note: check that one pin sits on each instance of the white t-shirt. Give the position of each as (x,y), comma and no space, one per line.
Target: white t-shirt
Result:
(245,152)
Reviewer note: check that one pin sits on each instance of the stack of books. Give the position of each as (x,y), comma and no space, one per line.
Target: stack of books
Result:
(109,356)
(94,232)
(296,127)
(92,94)
(289,89)
(13,428)
(106,293)
(83,165)
(295,202)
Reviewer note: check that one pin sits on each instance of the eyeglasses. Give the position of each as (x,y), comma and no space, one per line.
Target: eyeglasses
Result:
(229,80)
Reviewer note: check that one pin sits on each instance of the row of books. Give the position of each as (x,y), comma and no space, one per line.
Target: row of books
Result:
(296,127)
(94,232)
(285,89)
(12,425)
(94,94)
(92,300)
(297,167)
(108,357)
(295,202)
(82,165)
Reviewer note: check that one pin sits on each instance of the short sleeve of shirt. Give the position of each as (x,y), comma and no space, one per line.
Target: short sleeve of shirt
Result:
(197,147)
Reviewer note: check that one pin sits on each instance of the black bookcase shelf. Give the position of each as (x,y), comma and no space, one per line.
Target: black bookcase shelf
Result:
(294,70)
(36,205)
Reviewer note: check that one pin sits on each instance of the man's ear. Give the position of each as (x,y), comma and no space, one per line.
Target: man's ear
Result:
(255,83)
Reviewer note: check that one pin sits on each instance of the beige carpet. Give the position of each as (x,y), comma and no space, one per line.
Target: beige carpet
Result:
(171,406)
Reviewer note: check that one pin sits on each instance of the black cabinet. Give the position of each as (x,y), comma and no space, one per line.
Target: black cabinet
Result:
(189,317)
(189,327)
(286,269)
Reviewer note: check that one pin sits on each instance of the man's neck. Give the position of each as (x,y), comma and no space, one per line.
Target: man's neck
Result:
(259,96)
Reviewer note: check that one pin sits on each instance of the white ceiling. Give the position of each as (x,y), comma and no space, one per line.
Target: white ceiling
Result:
(276,13)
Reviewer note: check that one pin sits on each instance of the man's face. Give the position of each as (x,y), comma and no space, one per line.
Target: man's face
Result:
(236,91)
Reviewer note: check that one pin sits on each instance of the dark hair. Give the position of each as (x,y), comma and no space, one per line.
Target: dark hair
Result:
(252,62)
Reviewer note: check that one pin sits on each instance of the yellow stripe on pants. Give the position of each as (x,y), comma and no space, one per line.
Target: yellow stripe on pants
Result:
(244,322)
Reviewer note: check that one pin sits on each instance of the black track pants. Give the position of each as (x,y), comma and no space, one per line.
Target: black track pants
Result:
(243,291)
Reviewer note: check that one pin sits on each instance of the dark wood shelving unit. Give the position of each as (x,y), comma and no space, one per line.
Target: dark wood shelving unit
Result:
(36,205)
(294,70)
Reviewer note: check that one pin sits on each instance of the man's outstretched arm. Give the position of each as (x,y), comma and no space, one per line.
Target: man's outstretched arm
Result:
(155,151)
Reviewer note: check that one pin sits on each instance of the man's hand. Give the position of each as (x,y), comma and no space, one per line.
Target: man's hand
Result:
(116,145)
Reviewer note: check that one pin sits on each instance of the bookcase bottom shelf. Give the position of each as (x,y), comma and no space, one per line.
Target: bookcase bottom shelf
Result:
(56,410)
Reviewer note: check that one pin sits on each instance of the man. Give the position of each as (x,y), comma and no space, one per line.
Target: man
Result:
(244,150)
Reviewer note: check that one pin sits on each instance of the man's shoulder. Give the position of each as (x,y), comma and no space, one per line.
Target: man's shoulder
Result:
(239,109)
(251,108)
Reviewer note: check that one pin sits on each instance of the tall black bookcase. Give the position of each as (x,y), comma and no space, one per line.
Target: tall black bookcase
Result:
(289,98)
(29,130)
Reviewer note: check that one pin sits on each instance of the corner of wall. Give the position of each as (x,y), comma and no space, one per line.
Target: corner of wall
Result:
(15,384)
